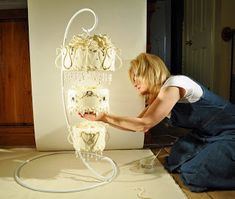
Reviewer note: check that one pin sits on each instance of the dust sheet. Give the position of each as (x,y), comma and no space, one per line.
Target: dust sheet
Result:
(63,171)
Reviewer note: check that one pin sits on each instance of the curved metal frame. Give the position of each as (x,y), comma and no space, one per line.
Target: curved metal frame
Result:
(104,179)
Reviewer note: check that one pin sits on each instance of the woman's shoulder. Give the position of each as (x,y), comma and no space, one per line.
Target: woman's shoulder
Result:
(193,90)
(176,80)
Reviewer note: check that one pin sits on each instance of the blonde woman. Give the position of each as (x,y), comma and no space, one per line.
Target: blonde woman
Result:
(205,157)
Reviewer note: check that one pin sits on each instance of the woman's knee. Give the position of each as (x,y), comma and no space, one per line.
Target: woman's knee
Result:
(213,167)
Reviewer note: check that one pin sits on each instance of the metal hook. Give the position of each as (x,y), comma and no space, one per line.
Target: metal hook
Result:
(85,30)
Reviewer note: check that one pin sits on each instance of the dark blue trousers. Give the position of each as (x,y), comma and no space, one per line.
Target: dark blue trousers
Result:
(203,166)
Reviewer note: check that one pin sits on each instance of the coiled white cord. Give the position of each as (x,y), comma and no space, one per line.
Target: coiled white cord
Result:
(104,179)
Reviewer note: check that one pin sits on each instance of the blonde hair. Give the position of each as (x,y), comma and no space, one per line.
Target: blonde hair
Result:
(151,70)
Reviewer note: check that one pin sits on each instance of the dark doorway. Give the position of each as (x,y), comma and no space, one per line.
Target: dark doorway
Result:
(164,31)
(164,38)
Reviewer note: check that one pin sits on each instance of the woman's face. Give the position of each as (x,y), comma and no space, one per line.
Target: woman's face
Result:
(140,86)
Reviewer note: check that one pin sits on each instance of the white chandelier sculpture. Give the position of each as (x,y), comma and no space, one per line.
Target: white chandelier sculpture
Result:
(87,62)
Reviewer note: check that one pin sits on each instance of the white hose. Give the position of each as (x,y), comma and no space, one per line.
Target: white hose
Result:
(105,179)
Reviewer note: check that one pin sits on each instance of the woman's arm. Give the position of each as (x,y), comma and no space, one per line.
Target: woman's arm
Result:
(143,112)
(121,128)
(115,126)
(151,116)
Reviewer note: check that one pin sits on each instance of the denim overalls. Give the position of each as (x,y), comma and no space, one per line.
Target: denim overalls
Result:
(205,158)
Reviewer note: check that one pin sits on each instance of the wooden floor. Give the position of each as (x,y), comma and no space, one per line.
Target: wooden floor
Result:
(191,195)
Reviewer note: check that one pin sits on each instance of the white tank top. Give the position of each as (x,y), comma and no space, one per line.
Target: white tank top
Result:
(193,91)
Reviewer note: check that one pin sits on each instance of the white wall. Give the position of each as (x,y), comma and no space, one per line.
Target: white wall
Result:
(124,21)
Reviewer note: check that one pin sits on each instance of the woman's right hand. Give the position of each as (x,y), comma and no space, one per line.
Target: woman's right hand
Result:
(91,116)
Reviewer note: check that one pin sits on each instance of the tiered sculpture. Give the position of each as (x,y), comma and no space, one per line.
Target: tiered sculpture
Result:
(87,63)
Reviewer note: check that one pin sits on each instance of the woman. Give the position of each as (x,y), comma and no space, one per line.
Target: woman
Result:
(205,157)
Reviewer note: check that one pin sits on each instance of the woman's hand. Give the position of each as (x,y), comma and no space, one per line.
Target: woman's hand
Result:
(92,116)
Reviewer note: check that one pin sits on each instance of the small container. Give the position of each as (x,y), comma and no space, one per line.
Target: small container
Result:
(149,165)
